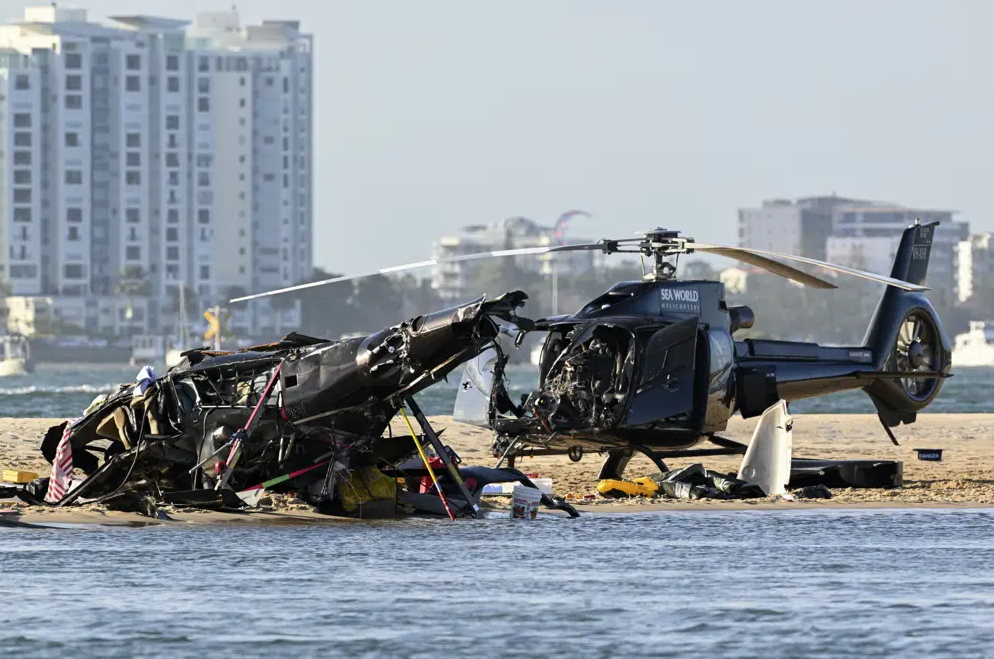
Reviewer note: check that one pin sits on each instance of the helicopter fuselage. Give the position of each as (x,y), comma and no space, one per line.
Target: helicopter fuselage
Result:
(653,364)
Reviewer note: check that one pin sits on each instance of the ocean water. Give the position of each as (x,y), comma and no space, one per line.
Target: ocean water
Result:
(65,390)
(763,584)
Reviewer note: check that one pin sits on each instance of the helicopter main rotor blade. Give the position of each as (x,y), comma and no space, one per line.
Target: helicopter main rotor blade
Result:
(749,255)
(521,251)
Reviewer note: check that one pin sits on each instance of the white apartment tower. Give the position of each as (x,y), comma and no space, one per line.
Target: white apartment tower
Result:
(147,154)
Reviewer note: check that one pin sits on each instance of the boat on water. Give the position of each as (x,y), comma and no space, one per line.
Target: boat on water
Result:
(15,355)
(148,349)
(975,347)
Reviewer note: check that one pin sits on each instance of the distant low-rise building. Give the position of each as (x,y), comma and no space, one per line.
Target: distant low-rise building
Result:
(452,281)
(867,237)
(736,280)
(792,226)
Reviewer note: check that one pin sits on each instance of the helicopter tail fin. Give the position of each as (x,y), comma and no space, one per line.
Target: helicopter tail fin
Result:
(911,261)
(905,334)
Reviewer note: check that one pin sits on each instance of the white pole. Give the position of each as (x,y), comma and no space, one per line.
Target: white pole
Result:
(555,286)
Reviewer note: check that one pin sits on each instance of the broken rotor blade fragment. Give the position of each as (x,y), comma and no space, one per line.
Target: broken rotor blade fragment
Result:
(522,251)
(745,254)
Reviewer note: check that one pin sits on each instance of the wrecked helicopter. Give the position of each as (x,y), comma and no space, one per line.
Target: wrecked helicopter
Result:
(652,366)
(649,366)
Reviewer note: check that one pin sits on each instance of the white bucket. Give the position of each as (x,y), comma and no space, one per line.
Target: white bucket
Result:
(524,502)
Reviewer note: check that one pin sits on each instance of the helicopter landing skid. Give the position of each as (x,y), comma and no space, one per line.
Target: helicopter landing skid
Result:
(617,459)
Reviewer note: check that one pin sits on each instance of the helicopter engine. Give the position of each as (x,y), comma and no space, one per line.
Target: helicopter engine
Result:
(586,382)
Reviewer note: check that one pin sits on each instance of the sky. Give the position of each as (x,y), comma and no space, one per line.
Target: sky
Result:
(435,114)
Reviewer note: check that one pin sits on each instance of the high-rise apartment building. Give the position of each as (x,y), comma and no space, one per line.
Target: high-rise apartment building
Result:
(974,266)
(148,154)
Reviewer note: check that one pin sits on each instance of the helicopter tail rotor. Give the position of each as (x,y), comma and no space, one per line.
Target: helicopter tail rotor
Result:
(906,336)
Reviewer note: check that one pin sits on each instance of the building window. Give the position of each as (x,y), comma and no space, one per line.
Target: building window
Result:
(72,139)
(286,85)
(74,214)
(204,85)
(269,81)
(22,82)
(72,61)
(204,160)
(172,216)
(172,253)
(22,139)
(73,234)
(173,178)
(73,271)
(172,160)
(22,120)
(204,179)
(172,84)
(203,104)
(74,83)
(204,216)
(173,143)
(133,140)
(133,159)
(22,214)
(172,62)
(205,272)
(133,62)
(133,178)
(22,157)
(267,177)
(172,234)
(133,84)
(74,102)
(204,64)
(22,195)
(74,177)
(132,253)
(22,177)
(172,122)
(133,215)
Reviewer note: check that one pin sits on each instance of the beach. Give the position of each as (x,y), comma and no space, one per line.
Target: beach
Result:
(964,477)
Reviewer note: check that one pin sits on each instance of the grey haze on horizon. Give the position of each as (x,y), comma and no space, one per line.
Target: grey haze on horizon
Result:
(435,114)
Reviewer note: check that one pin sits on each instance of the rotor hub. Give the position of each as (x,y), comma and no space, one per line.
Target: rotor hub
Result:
(917,355)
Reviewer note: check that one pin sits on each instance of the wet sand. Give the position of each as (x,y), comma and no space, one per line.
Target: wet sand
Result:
(964,478)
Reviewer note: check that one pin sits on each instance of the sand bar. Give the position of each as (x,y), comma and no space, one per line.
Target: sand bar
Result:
(964,478)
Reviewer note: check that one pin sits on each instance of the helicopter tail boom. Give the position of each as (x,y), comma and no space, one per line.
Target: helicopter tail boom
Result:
(906,335)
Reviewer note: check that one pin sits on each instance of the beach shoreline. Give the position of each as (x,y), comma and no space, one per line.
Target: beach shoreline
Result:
(963,479)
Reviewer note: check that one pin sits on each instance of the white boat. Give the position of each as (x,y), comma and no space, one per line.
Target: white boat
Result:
(15,355)
(975,347)
(148,349)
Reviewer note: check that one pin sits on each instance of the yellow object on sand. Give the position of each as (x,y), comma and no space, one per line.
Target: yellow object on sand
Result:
(618,489)
(366,484)
(20,477)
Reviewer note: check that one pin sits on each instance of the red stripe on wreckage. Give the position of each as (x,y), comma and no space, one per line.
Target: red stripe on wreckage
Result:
(61,478)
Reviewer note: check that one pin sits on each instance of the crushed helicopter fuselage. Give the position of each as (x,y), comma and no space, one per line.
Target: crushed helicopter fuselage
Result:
(303,414)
